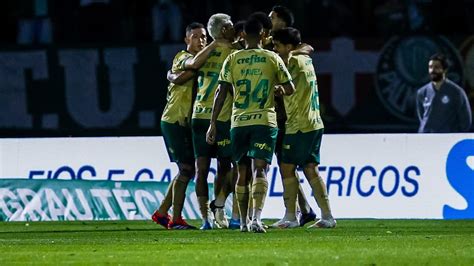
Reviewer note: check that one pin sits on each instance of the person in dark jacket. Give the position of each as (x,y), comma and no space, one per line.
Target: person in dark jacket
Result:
(442,106)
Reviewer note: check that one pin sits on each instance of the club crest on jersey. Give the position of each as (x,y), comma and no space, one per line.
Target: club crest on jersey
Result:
(254,59)
(445,99)
(403,68)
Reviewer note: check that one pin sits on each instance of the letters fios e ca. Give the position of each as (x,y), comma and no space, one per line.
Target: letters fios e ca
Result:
(90,172)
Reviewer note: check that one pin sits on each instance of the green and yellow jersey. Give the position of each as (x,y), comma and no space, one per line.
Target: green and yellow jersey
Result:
(179,98)
(208,77)
(302,107)
(253,74)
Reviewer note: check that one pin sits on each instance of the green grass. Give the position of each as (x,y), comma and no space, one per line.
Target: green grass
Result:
(360,242)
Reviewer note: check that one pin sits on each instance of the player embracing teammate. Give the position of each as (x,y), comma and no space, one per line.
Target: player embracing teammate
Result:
(243,90)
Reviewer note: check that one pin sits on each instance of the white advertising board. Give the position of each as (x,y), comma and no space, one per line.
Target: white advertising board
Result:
(368,176)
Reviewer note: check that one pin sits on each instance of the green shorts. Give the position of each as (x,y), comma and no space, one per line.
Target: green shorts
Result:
(254,141)
(222,148)
(178,142)
(302,148)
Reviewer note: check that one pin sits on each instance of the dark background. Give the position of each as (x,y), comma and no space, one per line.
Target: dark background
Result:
(52,26)
(131,21)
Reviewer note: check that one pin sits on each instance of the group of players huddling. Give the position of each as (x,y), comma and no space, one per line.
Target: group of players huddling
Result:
(238,101)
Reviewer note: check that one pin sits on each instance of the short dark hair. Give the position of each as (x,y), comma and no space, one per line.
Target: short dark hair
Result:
(263,19)
(192,26)
(287,36)
(253,27)
(442,59)
(285,14)
(239,26)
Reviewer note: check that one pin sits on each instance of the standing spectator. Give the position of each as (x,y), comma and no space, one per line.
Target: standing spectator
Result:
(166,14)
(442,106)
(34,25)
(390,17)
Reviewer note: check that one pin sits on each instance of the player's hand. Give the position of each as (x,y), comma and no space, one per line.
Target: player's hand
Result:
(172,76)
(267,40)
(279,90)
(211,134)
(169,75)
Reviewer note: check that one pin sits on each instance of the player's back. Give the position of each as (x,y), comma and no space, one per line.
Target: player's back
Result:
(302,107)
(254,74)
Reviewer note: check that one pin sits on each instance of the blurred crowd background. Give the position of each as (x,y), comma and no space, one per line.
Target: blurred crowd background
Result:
(98,67)
(59,21)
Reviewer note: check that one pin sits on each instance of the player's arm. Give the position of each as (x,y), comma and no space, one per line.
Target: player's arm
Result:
(285,85)
(303,49)
(219,99)
(287,88)
(200,58)
(180,77)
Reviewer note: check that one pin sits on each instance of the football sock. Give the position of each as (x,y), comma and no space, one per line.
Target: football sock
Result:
(302,201)
(290,189)
(259,192)
(168,200)
(235,207)
(242,195)
(204,207)
(179,194)
(321,195)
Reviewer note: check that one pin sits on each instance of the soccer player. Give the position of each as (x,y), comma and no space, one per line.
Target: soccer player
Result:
(175,126)
(267,27)
(221,29)
(251,75)
(278,18)
(282,17)
(239,41)
(304,130)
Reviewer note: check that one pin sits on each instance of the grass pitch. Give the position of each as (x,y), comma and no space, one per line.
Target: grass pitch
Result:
(360,242)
